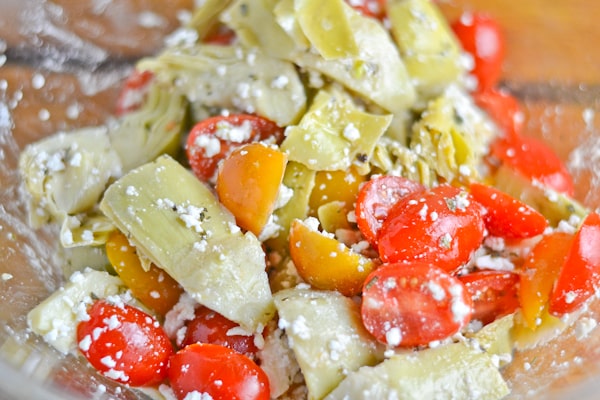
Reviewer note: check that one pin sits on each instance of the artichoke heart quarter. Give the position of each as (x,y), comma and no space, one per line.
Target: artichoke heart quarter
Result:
(176,221)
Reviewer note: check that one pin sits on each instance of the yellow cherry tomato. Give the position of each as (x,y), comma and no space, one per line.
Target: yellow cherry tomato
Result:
(248,184)
(325,263)
(539,272)
(154,288)
(335,186)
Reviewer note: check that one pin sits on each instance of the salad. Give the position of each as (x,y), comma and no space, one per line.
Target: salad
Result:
(292,206)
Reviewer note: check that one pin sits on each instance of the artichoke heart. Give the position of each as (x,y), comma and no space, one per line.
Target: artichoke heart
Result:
(232,77)
(176,221)
(334,134)
(66,173)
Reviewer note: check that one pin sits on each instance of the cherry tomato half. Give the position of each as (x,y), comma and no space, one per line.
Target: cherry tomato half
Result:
(369,8)
(209,326)
(506,216)
(579,276)
(441,225)
(212,139)
(535,160)
(218,371)
(503,109)
(413,304)
(134,91)
(125,344)
(376,197)
(494,293)
(481,36)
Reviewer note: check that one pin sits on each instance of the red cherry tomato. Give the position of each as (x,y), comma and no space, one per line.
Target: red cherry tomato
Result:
(125,344)
(535,160)
(209,326)
(506,216)
(494,293)
(413,304)
(133,92)
(481,36)
(222,35)
(441,226)
(579,277)
(212,139)
(503,108)
(218,371)
(374,200)
(369,8)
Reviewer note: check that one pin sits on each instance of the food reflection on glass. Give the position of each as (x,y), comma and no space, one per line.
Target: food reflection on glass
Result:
(298,207)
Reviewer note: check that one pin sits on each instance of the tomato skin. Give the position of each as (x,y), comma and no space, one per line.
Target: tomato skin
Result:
(506,216)
(216,370)
(127,337)
(539,272)
(221,35)
(503,109)
(481,36)
(494,293)
(579,276)
(210,141)
(535,160)
(133,92)
(441,226)
(423,302)
(375,199)
(370,8)
(209,326)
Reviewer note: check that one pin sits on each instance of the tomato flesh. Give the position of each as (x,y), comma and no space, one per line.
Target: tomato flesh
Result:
(413,304)
(506,216)
(579,276)
(125,344)
(212,139)
(133,92)
(218,371)
(375,199)
(209,326)
(494,293)
(481,36)
(370,8)
(441,226)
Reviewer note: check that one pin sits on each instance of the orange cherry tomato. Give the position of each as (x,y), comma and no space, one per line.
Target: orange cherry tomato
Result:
(325,263)
(494,293)
(413,304)
(134,91)
(533,159)
(335,186)
(209,326)
(539,272)
(125,344)
(375,199)
(248,183)
(579,276)
(441,225)
(481,36)
(506,216)
(217,371)
(212,139)
(154,288)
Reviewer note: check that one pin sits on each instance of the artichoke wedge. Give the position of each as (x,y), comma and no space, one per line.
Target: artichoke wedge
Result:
(175,221)
(327,336)
(66,173)
(334,134)
(232,77)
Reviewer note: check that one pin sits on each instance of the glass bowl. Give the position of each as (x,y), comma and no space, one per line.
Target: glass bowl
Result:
(61,64)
